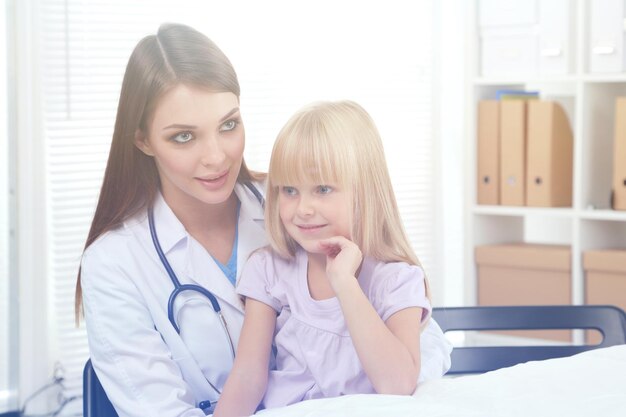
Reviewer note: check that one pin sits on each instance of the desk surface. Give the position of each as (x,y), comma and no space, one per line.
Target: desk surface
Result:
(591,384)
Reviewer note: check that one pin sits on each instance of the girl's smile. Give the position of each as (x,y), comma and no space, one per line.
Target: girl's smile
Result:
(311,212)
(311,228)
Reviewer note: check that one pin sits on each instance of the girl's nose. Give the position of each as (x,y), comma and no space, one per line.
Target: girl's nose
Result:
(212,153)
(305,207)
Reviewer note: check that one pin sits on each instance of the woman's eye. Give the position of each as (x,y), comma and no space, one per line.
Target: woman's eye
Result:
(182,137)
(229,125)
(290,191)
(324,189)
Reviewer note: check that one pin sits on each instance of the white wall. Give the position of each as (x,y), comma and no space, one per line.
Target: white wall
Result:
(4,220)
(450,90)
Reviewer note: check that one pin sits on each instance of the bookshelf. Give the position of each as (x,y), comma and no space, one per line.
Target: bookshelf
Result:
(589,102)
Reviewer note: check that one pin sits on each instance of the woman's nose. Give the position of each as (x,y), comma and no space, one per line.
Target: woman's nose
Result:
(212,152)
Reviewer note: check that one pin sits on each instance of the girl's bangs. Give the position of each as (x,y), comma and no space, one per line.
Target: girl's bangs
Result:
(305,155)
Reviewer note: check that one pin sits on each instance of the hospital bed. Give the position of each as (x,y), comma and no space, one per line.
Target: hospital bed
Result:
(522,380)
(608,321)
(589,384)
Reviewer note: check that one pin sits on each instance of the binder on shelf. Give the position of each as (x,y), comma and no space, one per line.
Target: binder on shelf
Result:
(488,153)
(516,95)
(619,155)
(550,156)
(512,152)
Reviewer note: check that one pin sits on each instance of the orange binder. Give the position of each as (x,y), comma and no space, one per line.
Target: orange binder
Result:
(550,155)
(488,153)
(512,152)
(619,155)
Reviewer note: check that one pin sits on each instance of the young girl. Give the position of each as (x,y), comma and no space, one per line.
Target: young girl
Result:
(340,289)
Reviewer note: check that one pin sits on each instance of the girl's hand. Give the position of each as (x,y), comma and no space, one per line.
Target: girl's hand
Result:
(343,258)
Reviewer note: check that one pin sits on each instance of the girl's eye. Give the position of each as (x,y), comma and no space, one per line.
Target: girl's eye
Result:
(324,189)
(229,125)
(290,191)
(182,137)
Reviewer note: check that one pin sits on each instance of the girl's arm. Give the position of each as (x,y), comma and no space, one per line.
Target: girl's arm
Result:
(389,351)
(247,381)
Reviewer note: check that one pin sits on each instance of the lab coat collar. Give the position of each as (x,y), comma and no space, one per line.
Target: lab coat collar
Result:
(249,203)
(169,229)
(201,267)
(251,224)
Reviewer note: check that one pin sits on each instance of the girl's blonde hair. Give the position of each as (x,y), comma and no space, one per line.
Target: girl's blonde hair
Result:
(338,143)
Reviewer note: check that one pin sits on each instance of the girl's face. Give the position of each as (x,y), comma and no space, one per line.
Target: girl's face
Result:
(311,212)
(197,139)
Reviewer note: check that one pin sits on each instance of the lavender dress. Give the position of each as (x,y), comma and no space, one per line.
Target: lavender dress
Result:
(315,357)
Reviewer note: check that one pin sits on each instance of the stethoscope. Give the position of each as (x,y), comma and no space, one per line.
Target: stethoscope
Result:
(179,288)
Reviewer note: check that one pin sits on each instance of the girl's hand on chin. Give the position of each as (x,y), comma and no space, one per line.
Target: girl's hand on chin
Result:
(343,258)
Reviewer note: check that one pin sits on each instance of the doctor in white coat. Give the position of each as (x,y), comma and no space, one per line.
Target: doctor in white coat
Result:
(176,154)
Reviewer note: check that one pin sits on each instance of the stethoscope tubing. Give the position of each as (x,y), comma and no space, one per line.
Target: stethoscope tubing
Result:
(179,288)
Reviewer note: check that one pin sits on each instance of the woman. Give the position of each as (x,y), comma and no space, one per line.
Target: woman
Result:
(176,195)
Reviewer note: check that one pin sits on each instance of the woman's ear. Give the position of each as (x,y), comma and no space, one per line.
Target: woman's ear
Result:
(141,142)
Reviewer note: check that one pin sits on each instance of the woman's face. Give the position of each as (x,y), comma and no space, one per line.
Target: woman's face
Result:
(197,139)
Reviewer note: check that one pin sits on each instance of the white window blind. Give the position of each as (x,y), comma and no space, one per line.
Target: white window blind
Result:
(286,54)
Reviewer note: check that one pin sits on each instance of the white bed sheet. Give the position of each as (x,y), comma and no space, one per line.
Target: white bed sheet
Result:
(591,384)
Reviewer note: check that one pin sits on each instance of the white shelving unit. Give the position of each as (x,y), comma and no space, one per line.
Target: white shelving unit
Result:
(589,102)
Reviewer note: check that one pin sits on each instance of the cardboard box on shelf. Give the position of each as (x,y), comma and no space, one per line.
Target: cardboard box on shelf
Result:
(525,274)
(605,280)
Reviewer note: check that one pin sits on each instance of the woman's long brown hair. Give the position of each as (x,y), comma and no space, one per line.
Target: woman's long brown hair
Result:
(176,55)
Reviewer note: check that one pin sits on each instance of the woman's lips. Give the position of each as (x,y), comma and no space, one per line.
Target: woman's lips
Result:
(214,182)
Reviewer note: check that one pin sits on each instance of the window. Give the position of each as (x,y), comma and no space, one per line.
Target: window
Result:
(286,55)
(8,299)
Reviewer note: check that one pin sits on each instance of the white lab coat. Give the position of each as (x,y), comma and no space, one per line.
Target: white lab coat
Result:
(146,368)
